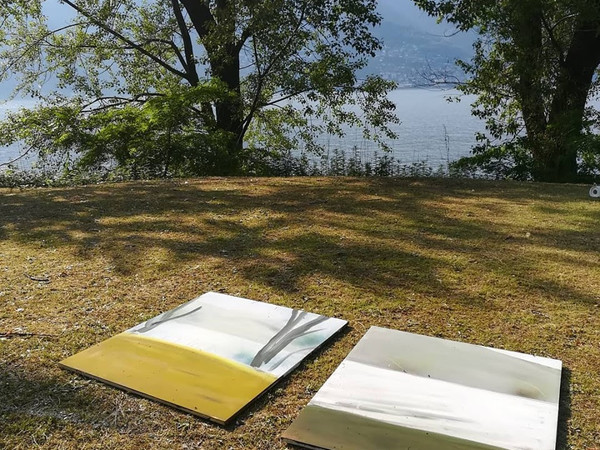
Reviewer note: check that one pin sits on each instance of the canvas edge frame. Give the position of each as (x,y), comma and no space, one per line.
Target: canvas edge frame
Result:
(239,412)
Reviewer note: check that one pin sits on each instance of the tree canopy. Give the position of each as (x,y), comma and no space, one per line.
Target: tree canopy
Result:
(196,87)
(534,69)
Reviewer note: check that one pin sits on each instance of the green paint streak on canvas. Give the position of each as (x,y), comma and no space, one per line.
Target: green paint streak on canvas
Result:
(200,382)
(327,428)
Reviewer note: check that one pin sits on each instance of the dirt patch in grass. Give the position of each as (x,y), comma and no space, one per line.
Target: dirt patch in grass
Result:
(508,265)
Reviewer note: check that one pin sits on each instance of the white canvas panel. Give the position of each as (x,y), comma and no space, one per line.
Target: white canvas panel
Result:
(211,356)
(402,390)
(237,328)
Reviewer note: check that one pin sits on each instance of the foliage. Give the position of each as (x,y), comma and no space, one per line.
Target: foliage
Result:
(257,162)
(338,163)
(234,76)
(533,71)
(509,160)
(159,138)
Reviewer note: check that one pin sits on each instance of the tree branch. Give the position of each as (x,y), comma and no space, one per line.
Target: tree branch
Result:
(22,155)
(284,98)
(553,40)
(265,72)
(119,100)
(188,48)
(200,16)
(36,43)
(128,41)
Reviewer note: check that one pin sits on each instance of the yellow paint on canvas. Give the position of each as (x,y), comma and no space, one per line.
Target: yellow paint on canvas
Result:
(201,382)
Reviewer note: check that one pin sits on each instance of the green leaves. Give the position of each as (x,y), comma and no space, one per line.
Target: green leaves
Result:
(189,75)
(160,136)
(533,70)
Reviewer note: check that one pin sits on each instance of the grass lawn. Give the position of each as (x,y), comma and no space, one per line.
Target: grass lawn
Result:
(508,265)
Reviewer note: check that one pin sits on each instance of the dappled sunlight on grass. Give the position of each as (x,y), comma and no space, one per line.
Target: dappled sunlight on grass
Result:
(511,265)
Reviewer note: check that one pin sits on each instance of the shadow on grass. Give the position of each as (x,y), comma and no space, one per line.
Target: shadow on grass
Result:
(34,406)
(564,412)
(378,237)
(375,235)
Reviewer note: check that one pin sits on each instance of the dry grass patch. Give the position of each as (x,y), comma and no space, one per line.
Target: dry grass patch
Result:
(508,265)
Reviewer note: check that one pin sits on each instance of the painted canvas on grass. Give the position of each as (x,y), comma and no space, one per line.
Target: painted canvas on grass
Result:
(211,356)
(398,390)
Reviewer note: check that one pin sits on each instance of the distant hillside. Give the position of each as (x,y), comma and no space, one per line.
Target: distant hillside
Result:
(415,42)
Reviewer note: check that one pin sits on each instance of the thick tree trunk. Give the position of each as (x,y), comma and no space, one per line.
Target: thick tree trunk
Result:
(224,57)
(230,113)
(528,41)
(529,64)
(567,111)
(552,137)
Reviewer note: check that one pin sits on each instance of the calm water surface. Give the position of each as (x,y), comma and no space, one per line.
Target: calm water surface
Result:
(431,129)
(427,119)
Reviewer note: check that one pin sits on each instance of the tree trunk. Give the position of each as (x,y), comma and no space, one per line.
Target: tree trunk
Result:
(230,113)
(528,41)
(567,111)
(223,51)
(553,137)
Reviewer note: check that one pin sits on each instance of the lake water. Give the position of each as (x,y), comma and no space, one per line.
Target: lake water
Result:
(432,129)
